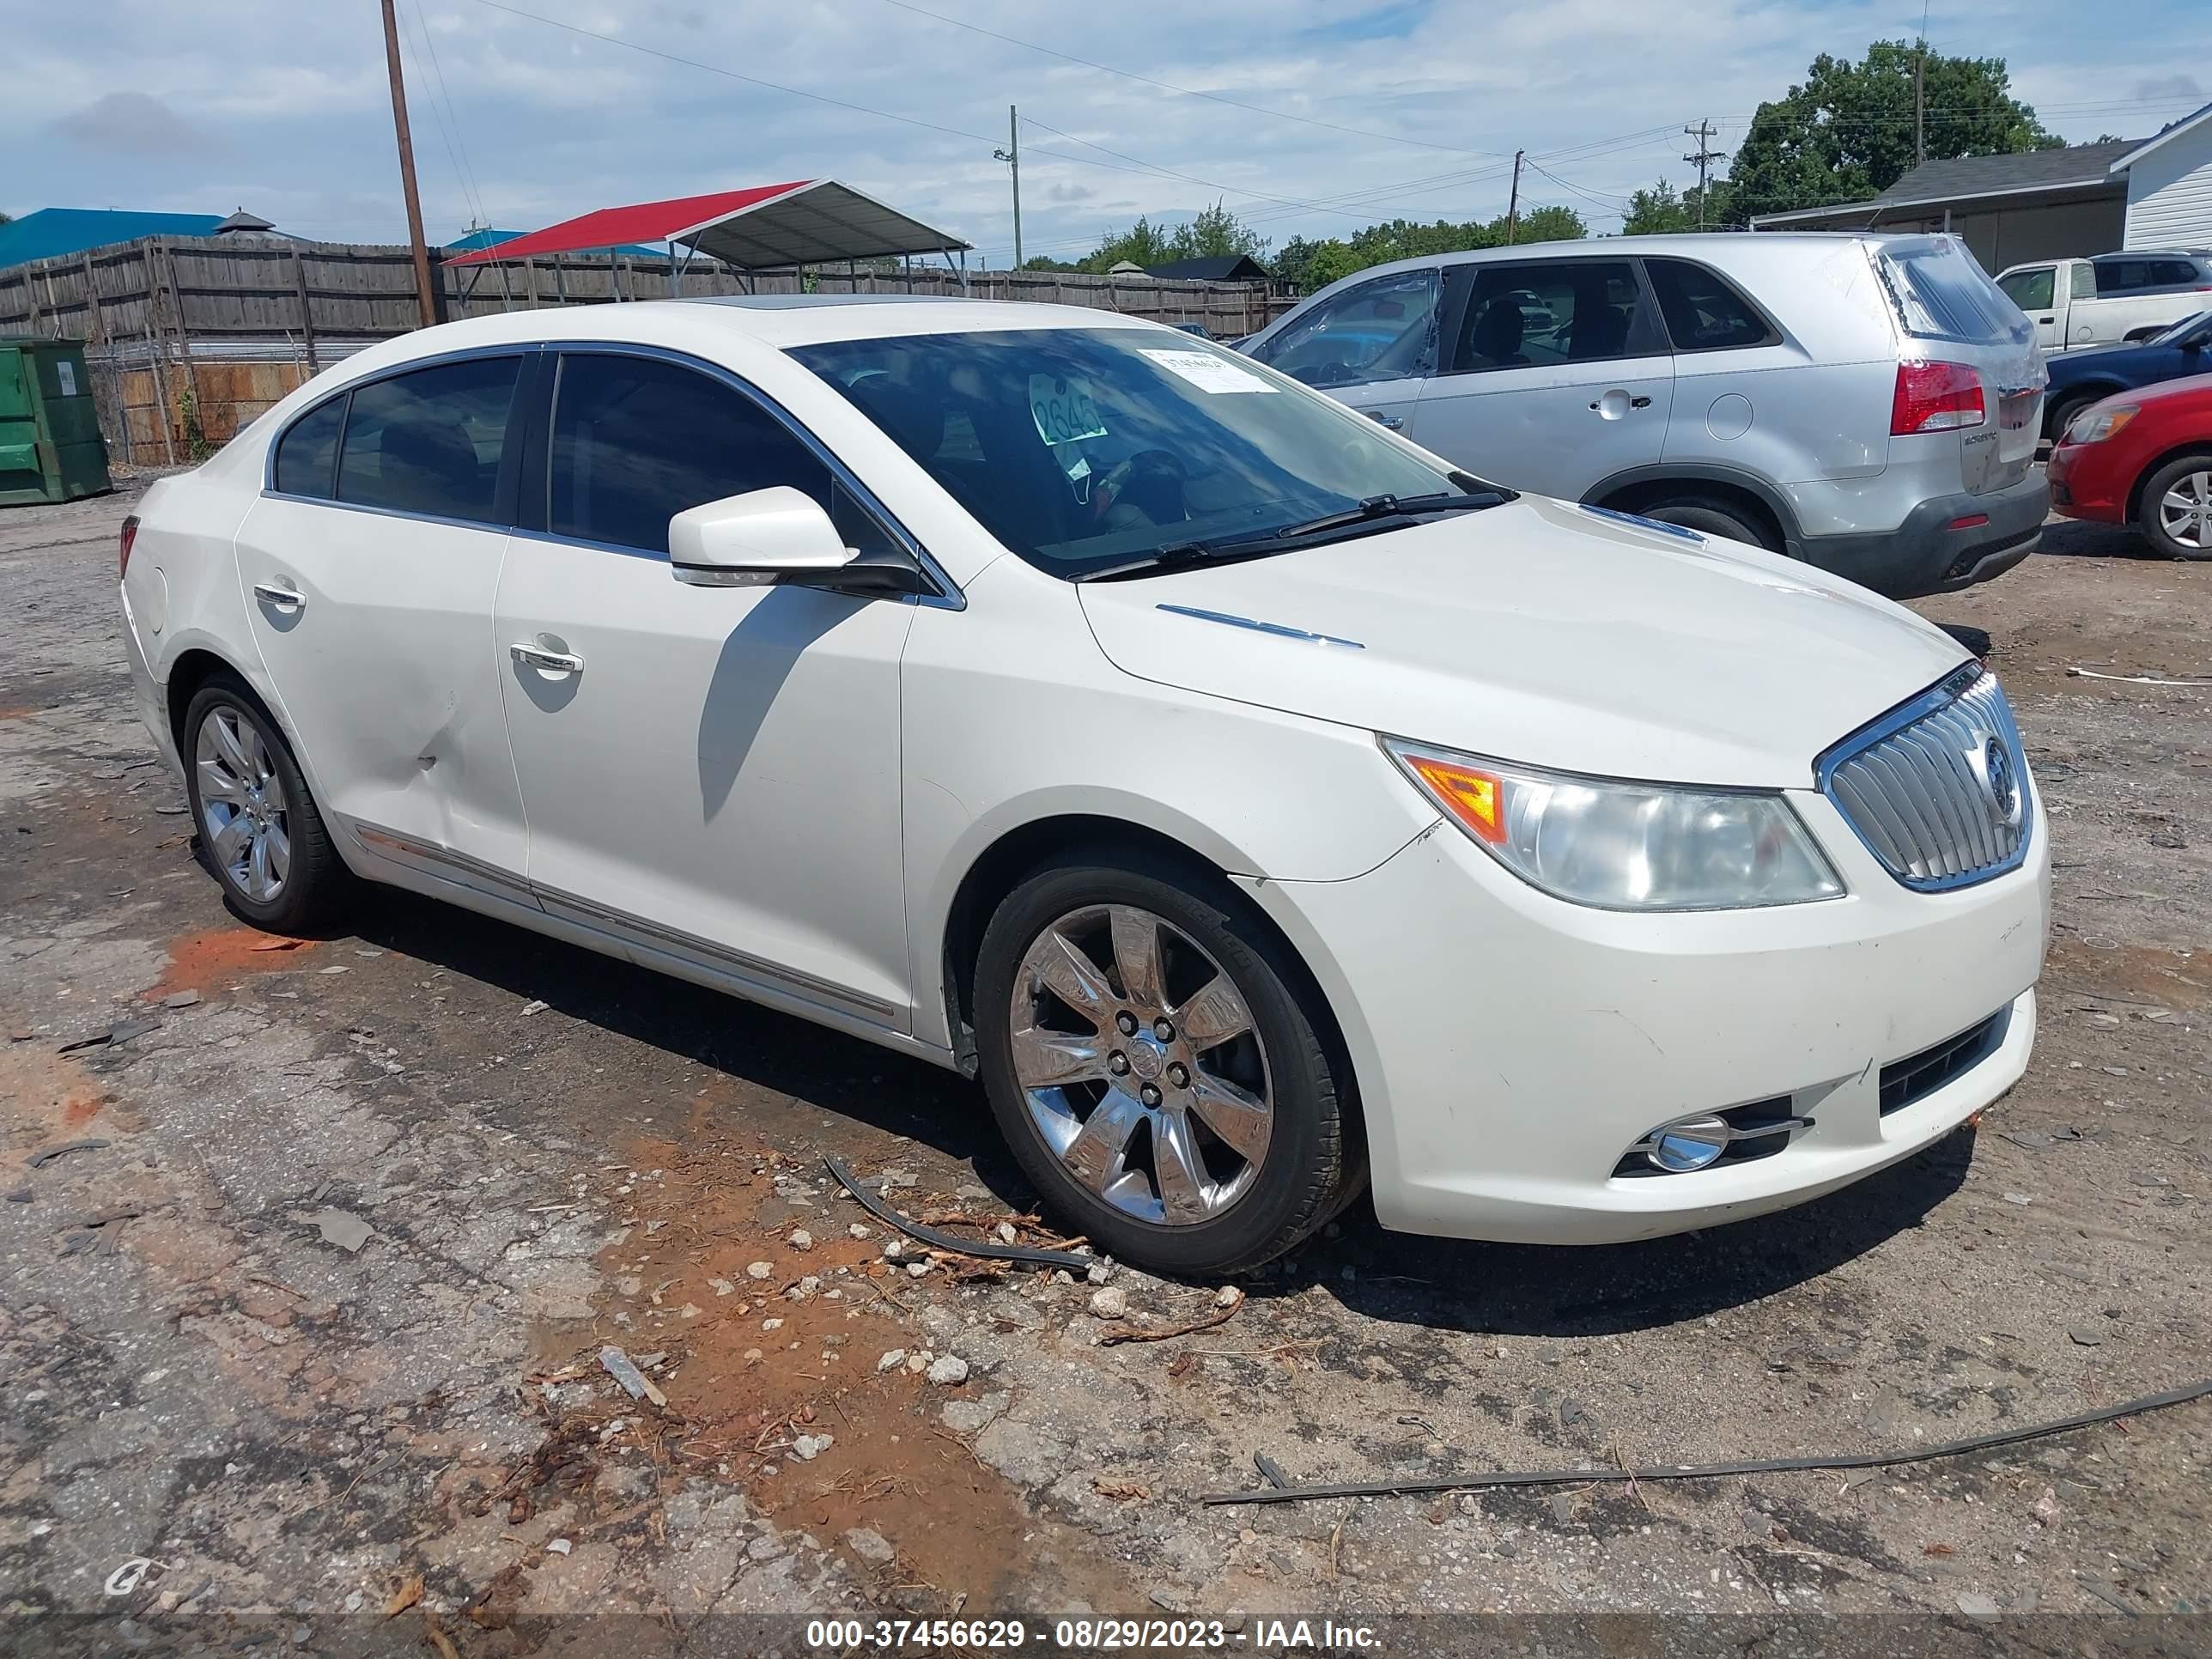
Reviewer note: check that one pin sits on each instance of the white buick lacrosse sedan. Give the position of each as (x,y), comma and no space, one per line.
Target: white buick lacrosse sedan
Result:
(1259,806)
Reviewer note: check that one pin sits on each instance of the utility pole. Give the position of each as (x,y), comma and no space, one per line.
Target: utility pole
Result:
(1705,156)
(1513,202)
(1919,104)
(1012,156)
(423,296)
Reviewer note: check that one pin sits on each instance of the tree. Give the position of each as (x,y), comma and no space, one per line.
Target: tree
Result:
(1659,211)
(1311,266)
(1845,133)
(1214,234)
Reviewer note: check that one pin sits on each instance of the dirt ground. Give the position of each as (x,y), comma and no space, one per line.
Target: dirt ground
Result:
(309,1268)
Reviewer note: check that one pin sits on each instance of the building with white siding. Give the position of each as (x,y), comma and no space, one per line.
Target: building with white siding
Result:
(2047,203)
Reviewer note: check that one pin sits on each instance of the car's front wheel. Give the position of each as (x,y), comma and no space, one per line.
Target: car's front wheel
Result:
(1149,1052)
(2176,507)
(259,835)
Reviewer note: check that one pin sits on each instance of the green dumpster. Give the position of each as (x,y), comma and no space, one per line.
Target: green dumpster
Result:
(51,449)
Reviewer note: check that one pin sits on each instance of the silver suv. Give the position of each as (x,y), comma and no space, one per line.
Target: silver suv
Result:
(1869,404)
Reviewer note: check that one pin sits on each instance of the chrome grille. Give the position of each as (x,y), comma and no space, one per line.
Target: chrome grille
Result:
(1938,788)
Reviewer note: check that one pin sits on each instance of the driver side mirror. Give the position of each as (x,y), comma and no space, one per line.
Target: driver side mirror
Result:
(752,540)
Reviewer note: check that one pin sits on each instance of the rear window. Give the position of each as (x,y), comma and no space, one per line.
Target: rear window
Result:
(1939,293)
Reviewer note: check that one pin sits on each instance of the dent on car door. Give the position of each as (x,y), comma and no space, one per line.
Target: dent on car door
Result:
(1371,347)
(712,772)
(369,568)
(1556,374)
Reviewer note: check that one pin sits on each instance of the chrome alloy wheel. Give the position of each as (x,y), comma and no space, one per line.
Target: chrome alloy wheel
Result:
(243,812)
(2184,512)
(1141,1064)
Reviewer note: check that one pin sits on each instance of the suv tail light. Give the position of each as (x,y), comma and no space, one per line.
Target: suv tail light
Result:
(123,546)
(1936,397)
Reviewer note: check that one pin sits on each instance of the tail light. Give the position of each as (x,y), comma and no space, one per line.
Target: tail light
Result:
(123,546)
(1936,397)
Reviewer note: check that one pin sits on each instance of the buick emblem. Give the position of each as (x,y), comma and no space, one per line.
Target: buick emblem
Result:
(1993,768)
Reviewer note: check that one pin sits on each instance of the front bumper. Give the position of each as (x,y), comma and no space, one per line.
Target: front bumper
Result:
(1924,555)
(1510,1047)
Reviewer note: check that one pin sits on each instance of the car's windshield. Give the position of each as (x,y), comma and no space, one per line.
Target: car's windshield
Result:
(1083,449)
(2196,324)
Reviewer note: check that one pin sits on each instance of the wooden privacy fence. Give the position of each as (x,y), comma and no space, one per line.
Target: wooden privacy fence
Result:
(188,339)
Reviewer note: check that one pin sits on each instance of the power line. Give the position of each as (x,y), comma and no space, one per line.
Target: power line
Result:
(1185,92)
(449,124)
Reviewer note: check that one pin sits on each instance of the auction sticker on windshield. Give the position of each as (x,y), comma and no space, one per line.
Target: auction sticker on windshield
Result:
(1062,410)
(1209,373)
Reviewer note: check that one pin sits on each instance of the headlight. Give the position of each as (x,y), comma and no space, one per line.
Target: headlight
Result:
(1625,846)
(2094,426)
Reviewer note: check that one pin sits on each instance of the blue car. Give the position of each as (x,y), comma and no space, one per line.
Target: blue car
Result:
(2079,379)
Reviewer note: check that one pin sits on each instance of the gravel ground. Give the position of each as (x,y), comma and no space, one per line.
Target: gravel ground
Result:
(307,1282)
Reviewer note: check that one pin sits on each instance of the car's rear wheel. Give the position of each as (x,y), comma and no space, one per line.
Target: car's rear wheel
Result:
(1148,1050)
(1713,517)
(2176,513)
(260,834)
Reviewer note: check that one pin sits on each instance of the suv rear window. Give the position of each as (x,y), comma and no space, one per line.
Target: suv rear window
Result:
(1939,293)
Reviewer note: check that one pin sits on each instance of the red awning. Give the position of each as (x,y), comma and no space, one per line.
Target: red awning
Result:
(809,221)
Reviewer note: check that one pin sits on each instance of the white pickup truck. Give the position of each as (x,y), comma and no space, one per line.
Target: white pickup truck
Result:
(2111,298)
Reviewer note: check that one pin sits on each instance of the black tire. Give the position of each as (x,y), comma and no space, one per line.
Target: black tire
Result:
(2064,411)
(1713,517)
(317,881)
(2156,486)
(1311,1167)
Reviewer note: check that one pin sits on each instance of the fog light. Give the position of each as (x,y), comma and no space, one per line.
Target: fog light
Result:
(1689,1144)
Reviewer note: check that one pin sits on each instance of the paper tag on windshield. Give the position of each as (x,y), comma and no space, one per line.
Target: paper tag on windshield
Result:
(1062,409)
(1209,373)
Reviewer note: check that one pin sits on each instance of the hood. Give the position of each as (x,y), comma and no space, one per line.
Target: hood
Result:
(1542,633)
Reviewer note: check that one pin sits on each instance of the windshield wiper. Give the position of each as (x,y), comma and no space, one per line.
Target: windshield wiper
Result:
(1388,506)
(1370,513)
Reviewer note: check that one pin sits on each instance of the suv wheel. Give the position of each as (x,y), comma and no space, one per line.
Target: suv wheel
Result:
(259,835)
(1157,1075)
(2176,513)
(1712,517)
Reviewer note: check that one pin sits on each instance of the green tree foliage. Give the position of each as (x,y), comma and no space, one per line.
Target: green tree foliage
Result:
(1658,211)
(1845,133)
(1214,234)
(1307,265)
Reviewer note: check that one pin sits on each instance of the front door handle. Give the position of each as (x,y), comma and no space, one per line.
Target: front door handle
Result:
(1394,422)
(530,655)
(282,595)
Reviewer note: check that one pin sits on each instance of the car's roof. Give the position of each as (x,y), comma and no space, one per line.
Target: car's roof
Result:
(776,321)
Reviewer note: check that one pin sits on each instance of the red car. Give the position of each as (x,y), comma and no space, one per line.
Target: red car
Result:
(2143,458)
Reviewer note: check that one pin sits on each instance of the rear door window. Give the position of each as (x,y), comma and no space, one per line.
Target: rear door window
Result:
(2120,276)
(2030,291)
(1703,310)
(636,441)
(1547,313)
(431,442)
(2172,273)
(1383,330)
(308,453)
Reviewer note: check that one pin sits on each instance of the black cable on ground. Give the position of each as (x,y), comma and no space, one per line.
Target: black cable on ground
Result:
(952,1241)
(1277,1492)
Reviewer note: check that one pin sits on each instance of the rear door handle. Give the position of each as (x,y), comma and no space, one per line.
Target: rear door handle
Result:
(1394,422)
(550,662)
(282,595)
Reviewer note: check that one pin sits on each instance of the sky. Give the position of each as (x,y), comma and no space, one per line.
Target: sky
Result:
(1307,117)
